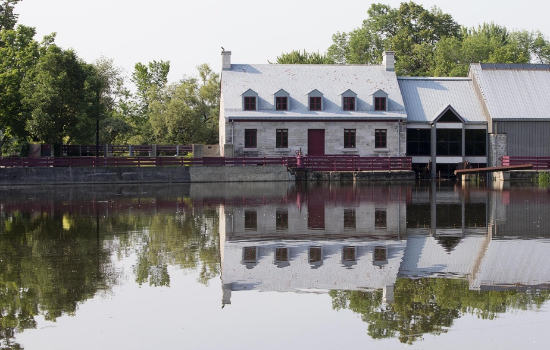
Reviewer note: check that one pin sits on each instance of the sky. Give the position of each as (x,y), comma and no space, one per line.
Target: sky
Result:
(189,33)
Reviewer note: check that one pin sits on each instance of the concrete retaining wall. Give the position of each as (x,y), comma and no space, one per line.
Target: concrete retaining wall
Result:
(128,175)
(16,176)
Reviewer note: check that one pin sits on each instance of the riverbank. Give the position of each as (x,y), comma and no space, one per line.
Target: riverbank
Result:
(195,174)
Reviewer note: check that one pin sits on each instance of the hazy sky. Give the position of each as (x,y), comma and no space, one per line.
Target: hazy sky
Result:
(188,33)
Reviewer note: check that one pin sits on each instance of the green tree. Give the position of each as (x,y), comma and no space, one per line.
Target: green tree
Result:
(116,104)
(149,80)
(61,92)
(187,112)
(297,57)
(430,305)
(8,18)
(18,54)
(410,30)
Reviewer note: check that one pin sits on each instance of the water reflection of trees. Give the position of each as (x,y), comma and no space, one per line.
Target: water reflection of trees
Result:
(430,306)
(56,254)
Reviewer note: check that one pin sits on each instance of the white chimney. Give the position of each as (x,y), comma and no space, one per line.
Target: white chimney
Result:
(388,60)
(226,60)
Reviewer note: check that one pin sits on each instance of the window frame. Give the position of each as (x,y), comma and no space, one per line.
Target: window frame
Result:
(380,103)
(350,138)
(315,103)
(249,103)
(346,105)
(381,138)
(279,104)
(250,138)
(281,138)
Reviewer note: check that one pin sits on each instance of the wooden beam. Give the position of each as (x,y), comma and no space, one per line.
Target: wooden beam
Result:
(493,169)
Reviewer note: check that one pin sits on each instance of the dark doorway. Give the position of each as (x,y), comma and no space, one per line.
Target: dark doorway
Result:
(316,142)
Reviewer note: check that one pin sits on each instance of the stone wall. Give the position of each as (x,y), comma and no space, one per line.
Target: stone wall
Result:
(334,138)
(497,149)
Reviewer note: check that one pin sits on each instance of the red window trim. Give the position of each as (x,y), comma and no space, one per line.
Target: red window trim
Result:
(379,103)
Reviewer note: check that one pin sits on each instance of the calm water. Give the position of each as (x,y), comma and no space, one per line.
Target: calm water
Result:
(274,266)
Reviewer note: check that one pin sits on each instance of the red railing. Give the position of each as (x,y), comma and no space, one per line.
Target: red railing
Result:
(331,163)
(539,163)
(134,150)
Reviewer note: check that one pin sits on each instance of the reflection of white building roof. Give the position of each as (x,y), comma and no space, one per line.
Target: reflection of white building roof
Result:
(426,257)
(299,275)
(514,263)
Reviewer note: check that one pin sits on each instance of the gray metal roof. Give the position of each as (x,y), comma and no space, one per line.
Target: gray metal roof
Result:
(299,79)
(426,98)
(515,91)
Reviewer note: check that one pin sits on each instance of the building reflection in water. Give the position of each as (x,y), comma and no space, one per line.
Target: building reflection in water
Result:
(363,238)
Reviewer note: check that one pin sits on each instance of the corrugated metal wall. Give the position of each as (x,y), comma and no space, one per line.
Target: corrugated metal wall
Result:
(526,138)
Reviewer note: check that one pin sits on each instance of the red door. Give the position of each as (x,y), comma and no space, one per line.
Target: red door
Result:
(316,142)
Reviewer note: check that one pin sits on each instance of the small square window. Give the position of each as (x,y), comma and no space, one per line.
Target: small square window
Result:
(249,254)
(281,254)
(250,138)
(281,103)
(281,138)
(250,103)
(315,255)
(380,254)
(379,103)
(380,138)
(349,138)
(349,104)
(348,254)
(315,103)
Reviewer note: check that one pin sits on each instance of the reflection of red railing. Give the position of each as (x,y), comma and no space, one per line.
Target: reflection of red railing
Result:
(328,163)
(539,163)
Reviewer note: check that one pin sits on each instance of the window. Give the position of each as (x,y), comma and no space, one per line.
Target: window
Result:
(315,255)
(418,142)
(380,254)
(348,254)
(281,220)
(349,138)
(250,220)
(380,138)
(250,139)
(449,142)
(475,142)
(349,219)
(281,103)
(349,103)
(249,103)
(379,103)
(249,254)
(380,219)
(315,103)
(281,138)
(281,254)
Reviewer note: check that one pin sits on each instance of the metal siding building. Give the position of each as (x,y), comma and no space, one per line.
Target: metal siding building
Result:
(516,101)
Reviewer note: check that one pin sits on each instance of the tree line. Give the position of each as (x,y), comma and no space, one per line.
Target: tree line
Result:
(48,94)
(426,43)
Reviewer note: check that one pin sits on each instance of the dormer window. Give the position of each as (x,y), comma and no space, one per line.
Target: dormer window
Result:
(250,103)
(281,103)
(379,103)
(250,100)
(315,103)
(349,103)
(315,99)
(282,99)
(349,100)
(380,100)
